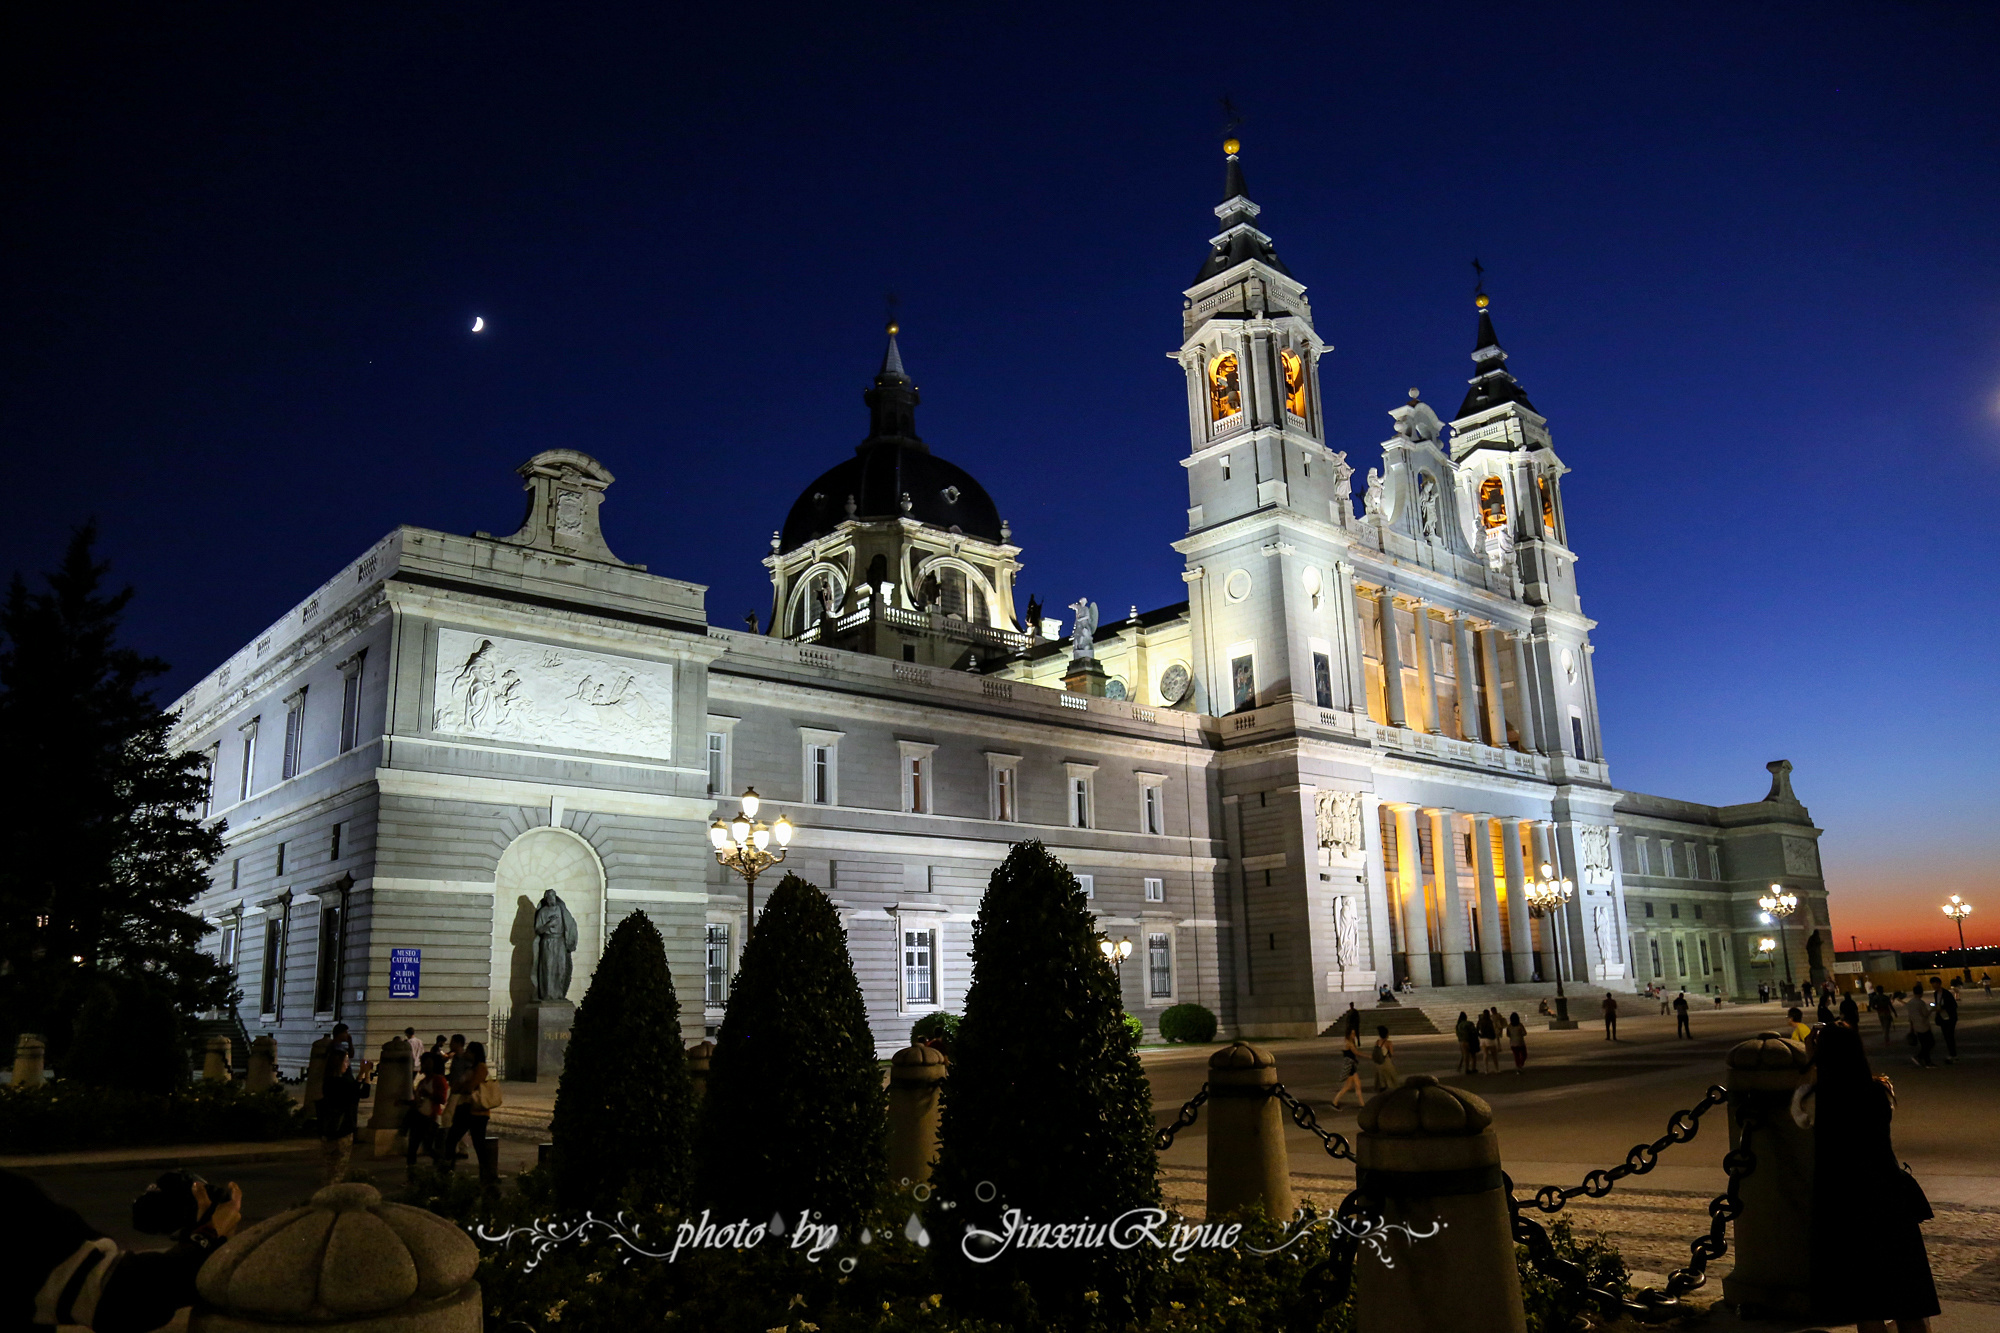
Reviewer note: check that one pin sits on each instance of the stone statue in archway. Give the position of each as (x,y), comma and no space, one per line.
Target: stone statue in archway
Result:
(555,943)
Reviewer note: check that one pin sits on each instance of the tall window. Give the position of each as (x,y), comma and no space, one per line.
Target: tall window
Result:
(819,760)
(1243,681)
(350,701)
(295,728)
(1705,968)
(1666,858)
(1081,802)
(919,967)
(917,777)
(1152,809)
(208,795)
(278,865)
(1576,735)
(225,952)
(1004,794)
(1645,849)
(1156,890)
(333,845)
(1225,392)
(717,750)
(1294,367)
(274,960)
(1159,967)
(1088,883)
(1323,680)
(326,987)
(1653,944)
(717,967)
(822,765)
(246,779)
(1680,957)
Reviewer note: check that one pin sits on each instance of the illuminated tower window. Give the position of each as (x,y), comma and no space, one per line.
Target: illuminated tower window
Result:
(1492,502)
(1294,367)
(1225,391)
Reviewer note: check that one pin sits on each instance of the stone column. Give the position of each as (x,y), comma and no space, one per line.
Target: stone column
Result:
(1427,1159)
(1452,939)
(1520,940)
(263,1061)
(30,1052)
(915,1074)
(1426,668)
(1410,879)
(215,1060)
(1772,1262)
(1468,680)
(1348,627)
(1247,1163)
(1531,734)
(1496,697)
(1491,952)
(394,1090)
(1392,661)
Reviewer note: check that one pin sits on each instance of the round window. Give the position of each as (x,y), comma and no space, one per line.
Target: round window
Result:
(1237,586)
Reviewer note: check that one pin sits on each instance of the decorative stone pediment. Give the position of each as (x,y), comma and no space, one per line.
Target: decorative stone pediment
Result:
(565,489)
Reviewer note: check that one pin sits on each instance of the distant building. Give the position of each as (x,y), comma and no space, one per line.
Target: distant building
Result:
(1335,767)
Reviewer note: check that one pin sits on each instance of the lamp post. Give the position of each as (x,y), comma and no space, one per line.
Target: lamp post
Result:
(1780,903)
(1116,954)
(1958,909)
(743,843)
(1547,896)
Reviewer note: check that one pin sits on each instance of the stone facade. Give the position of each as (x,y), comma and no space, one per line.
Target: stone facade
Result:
(1281,805)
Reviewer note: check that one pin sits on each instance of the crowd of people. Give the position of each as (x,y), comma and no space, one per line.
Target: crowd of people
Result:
(452,1096)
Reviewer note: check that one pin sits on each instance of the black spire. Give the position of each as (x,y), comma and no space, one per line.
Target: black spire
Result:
(1492,385)
(892,403)
(1240,239)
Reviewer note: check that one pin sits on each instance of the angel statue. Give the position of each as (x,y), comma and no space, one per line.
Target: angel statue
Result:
(1086,629)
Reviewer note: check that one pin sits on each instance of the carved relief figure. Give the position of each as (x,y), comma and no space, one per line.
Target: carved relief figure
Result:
(1593,850)
(546,694)
(1606,929)
(555,944)
(1801,856)
(1343,487)
(1085,633)
(1372,499)
(1346,932)
(483,692)
(1337,817)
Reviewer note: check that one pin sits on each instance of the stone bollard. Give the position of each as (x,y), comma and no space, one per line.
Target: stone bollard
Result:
(698,1056)
(345,1263)
(316,1074)
(1427,1154)
(394,1090)
(1772,1261)
(915,1073)
(1247,1162)
(215,1060)
(263,1074)
(29,1054)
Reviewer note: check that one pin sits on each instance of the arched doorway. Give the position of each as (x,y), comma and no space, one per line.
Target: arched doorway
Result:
(539,860)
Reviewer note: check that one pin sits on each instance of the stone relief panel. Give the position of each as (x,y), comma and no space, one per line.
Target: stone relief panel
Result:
(1337,817)
(543,694)
(1801,856)
(1593,852)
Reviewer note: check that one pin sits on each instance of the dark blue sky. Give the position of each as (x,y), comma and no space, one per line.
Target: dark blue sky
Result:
(1743,256)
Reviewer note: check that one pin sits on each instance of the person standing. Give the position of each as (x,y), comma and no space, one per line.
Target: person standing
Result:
(1797,1030)
(1825,1012)
(1944,1003)
(1610,1017)
(1681,1028)
(1888,1277)
(1384,1056)
(1350,1063)
(339,1100)
(476,1094)
(1517,1039)
(416,1046)
(1918,1011)
(1885,1010)
(1850,1012)
(1489,1038)
(1350,1021)
(1468,1045)
(424,1124)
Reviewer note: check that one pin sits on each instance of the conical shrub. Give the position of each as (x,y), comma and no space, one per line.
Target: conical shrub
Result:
(795,1116)
(624,1116)
(1046,1108)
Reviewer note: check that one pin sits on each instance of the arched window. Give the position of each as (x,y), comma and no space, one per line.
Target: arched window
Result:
(1294,367)
(1225,392)
(1492,502)
(1548,504)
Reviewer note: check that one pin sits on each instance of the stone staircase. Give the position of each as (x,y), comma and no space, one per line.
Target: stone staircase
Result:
(1436,1009)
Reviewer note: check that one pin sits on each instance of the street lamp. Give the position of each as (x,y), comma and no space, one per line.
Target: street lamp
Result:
(1546,897)
(1116,954)
(1957,909)
(1781,903)
(1765,947)
(743,845)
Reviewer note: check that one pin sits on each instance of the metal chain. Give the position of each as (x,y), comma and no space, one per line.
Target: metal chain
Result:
(1188,1115)
(1682,1126)
(1336,1145)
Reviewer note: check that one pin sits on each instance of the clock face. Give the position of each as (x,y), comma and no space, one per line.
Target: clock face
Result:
(1295,382)
(1174,683)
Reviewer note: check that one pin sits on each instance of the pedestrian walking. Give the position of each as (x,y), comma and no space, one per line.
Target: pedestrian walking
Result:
(477,1095)
(1491,1025)
(1763,992)
(416,1046)
(1825,1009)
(1384,1056)
(1350,1062)
(1798,1030)
(1681,1028)
(1610,1017)
(1351,1021)
(339,1100)
(1517,1038)
(1468,1044)
(1922,1033)
(456,1060)
(1887,1276)
(424,1123)
(1944,1005)
(1986,983)
(1885,1010)
(1850,1012)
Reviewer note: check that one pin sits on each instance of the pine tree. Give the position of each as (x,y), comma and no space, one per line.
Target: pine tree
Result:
(624,1114)
(1046,1103)
(117,851)
(796,1115)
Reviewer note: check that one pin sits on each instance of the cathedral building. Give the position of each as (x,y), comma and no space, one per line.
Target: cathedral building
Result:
(1339,766)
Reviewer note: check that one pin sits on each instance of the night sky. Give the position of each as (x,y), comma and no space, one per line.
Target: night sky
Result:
(1746,258)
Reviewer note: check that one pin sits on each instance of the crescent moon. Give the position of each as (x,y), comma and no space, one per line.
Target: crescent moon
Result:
(478,323)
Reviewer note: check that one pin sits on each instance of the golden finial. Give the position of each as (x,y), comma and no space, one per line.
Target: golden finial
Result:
(1482,300)
(1231,147)
(892,328)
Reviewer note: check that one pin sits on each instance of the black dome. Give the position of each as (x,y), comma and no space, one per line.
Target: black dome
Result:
(890,464)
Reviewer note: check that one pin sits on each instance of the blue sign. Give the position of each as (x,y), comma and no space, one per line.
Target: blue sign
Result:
(406,969)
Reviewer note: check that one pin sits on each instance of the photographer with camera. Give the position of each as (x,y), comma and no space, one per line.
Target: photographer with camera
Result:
(59,1270)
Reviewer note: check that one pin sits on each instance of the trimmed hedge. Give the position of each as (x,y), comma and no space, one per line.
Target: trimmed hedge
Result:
(52,1117)
(940,1027)
(795,1118)
(624,1114)
(1187,1022)
(1046,1110)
